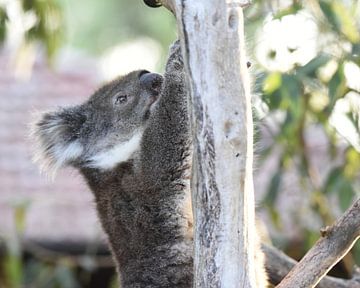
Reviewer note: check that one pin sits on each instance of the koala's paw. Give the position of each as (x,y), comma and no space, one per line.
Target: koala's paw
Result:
(175,48)
(175,61)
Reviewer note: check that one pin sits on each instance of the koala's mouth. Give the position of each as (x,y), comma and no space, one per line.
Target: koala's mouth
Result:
(152,101)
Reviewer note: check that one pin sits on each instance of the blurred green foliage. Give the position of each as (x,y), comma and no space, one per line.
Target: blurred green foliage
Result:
(295,93)
(48,25)
(302,94)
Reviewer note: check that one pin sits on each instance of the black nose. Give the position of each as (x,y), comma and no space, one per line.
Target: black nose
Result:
(151,82)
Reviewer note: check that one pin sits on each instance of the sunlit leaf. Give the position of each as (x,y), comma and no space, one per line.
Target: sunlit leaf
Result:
(347,21)
(49,27)
(272,82)
(292,9)
(272,90)
(13,270)
(352,166)
(341,19)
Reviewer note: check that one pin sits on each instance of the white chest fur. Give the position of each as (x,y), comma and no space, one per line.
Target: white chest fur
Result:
(121,152)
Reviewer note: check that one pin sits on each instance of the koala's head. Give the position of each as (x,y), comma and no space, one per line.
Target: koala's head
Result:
(102,132)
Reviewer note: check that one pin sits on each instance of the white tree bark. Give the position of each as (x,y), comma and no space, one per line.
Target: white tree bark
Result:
(212,39)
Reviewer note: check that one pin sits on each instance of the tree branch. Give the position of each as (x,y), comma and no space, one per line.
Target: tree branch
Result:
(212,38)
(334,244)
(169,4)
(211,35)
(278,265)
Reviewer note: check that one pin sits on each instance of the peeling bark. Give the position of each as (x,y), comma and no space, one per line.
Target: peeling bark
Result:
(211,35)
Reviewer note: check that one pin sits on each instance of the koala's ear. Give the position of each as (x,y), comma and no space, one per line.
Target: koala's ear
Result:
(56,136)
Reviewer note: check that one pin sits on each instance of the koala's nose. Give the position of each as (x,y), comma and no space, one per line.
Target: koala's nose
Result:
(151,82)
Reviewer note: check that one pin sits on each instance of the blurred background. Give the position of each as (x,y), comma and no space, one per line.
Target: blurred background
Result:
(305,59)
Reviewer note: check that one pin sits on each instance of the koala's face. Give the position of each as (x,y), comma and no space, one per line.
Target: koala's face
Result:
(105,130)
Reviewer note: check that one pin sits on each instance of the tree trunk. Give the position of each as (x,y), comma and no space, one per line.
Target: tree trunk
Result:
(211,34)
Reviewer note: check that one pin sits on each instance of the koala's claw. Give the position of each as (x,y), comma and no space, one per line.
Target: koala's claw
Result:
(175,61)
(175,47)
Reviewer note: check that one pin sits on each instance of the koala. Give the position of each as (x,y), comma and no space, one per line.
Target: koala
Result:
(131,141)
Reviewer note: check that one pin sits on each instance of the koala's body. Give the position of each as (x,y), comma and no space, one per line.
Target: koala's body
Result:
(131,141)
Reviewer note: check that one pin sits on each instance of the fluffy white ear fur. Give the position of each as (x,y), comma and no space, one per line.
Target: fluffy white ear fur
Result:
(52,151)
(121,152)
(64,153)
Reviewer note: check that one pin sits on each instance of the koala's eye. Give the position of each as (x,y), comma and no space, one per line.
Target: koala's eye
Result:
(121,99)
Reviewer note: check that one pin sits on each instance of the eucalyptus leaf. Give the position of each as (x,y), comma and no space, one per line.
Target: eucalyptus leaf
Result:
(310,69)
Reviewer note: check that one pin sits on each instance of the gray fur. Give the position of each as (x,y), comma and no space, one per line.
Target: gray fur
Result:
(143,202)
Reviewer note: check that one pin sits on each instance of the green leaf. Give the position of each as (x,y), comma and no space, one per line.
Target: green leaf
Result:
(273,190)
(291,87)
(327,9)
(291,92)
(352,166)
(356,50)
(337,86)
(356,250)
(272,82)
(28,4)
(272,90)
(292,9)
(13,270)
(338,184)
(346,194)
(309,69)
(275,217)
(347,21)
(3,19)
(332,180)
(341,19)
